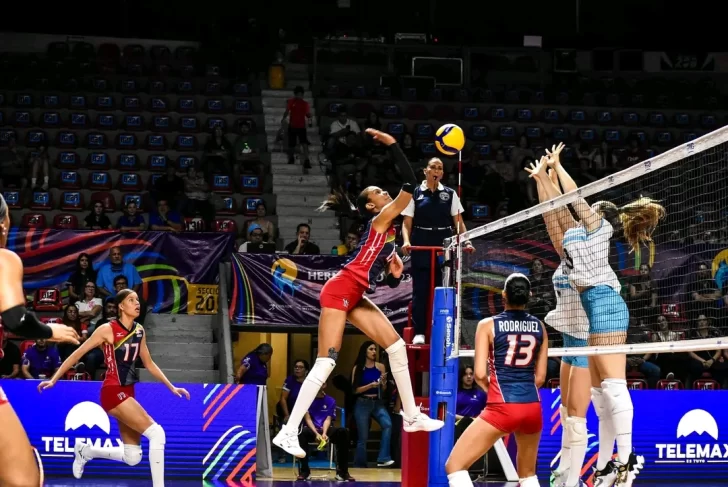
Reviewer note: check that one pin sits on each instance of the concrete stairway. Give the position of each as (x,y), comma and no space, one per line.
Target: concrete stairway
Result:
(298,194)
(182,346)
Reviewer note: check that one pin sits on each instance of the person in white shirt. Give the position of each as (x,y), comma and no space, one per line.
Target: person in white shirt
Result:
(90,307)
(340,129)
(586,252)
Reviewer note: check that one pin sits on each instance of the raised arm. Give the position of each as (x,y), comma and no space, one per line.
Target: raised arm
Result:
(547,185)
(589,218)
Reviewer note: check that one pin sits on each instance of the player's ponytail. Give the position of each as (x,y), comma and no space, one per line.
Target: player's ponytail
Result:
(339,202)
(639,220)
(517,289)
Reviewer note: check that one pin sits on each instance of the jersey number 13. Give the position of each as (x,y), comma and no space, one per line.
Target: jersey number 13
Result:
(520,350)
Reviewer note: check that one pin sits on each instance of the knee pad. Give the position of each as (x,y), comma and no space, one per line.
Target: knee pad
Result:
(321,370)
(397,356)
(132,455)
(529,482)
(577,430)
(563,412)
(616,396)
(597,397)
(156,436)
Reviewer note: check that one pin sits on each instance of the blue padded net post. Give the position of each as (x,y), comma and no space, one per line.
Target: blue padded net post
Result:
(443,383)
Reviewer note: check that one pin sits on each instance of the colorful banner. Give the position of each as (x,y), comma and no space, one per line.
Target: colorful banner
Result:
(212,436)
(284,290)
(168,263)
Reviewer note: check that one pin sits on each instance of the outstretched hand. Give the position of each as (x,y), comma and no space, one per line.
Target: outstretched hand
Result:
(381,137)
(180,392)
(537,169)
(554,155)
(63,334)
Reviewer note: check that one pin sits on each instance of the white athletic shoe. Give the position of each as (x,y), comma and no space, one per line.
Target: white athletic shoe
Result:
(627,473)
(557,478)
(288,442)
(420,422)
(79,461)
(607,476)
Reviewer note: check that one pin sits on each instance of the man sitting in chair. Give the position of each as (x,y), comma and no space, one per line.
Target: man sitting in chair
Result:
(317,428)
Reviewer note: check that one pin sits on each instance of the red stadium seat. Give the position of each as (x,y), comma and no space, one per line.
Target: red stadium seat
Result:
(250,206)
(706,385)
(673,312)
(42,200)
(221,184)
(226,225)
(480,213)
(106,199)
(47,299)
(51,320)
(670,385)
(73,375)
(71,201)
(229,206)
(65,221)
(70,180)
(194,224)
(12,199)
(99,181)
(251,184)
(636,384)
(130,181)
(33,220)
(25,345)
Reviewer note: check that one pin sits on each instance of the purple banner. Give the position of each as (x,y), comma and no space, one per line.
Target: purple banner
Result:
(173,267)
(284,290)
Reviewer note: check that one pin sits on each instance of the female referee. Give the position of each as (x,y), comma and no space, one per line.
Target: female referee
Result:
(515,348)
(122,340)
(570,319)
(342,298)
(586,250)
(18,465)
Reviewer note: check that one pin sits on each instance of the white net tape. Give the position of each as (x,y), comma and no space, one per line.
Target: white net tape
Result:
(675,288)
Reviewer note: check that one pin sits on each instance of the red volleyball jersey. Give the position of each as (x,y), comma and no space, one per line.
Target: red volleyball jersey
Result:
(121,357)
(371,256)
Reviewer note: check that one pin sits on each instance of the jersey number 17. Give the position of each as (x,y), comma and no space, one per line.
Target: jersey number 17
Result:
(520,350)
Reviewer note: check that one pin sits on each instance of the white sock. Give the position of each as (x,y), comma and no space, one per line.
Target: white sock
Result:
(157,439)
(606,430)
(461,478)
(620,407)
(565,461)
(311,386)
(529,482)
(115,453)
(578,437)
(400,371)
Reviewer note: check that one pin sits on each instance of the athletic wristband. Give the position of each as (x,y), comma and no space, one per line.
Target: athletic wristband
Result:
(408,188)
(22,322)
(405,168)
(392,281)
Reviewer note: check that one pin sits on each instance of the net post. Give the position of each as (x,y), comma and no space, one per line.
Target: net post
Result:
(443,384)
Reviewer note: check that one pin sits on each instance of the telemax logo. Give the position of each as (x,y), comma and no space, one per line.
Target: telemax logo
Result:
(699,428)
(96,432)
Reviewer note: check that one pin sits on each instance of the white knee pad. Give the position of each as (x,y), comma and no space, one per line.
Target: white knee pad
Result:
(577,430)
(397,356)
(529,482)
(616,396)
(563,412)
(597,397)
(321,370)
(156,436)
(132,454)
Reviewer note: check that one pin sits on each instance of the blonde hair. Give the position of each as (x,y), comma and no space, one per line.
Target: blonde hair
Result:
(638,219)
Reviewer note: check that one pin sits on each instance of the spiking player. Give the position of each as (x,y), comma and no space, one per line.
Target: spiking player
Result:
(513,344)
(122,341)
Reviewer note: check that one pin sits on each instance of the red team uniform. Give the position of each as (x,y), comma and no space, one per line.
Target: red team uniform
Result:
(513,403)
(361,270)
(3,399)
(120,358)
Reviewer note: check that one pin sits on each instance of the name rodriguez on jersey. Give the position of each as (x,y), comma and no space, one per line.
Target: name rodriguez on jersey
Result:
(519,326)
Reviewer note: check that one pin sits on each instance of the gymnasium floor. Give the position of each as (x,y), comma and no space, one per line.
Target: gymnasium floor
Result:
(290,483)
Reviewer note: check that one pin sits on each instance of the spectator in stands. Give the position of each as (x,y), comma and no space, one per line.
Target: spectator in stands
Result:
(169,188)
(409,148)
(164,219)
(318,426)
(246,152)
(299,110)
(706,361)
(90,307)
(643,294)
(668,362)
(218,154)
(131,221)
(372,122)
(369,379)
(12,167)
(254,366)
(542,298)
(470,401)
(108,272)
(10,360)
(84,273)
(704,293)
(509,175)
(121,282)
(343,136)
(97,220)
(604,160)
(291,386)
(520,153)
(269,230)
(40,361)
(634,153)
(302,245)
(71,319)
(40,163)
(197,192)
(349,244)
(109,311)
(255,244)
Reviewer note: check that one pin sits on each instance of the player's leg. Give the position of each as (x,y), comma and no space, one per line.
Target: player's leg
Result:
(526,458)
(135,418)
(578,404)
(130,452)
(605,471)
(330,333)
(562,470)
(18,467)
(368,318)
(477,439)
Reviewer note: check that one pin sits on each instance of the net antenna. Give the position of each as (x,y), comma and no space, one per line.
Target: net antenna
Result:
(685,179)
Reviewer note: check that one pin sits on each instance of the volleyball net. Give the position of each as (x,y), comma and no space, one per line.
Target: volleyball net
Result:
(674,287)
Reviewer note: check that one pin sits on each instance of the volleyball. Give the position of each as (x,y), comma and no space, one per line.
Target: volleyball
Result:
(449,139)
